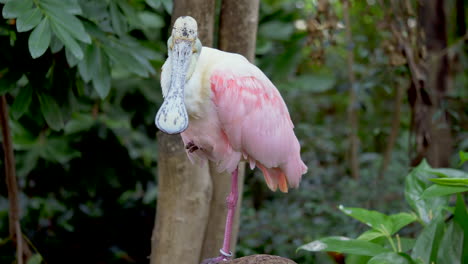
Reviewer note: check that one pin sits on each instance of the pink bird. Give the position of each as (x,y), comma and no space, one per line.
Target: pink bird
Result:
(227,111)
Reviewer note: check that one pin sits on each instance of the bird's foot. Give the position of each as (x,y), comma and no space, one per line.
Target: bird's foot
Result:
(191,147)
(216,260)
(223,257)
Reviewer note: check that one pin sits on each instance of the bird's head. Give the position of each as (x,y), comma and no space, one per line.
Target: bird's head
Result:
(184,48)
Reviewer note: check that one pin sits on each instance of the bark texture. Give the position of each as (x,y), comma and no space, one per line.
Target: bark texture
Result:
(431,123)
(238,27)
(14,226)
(185,191)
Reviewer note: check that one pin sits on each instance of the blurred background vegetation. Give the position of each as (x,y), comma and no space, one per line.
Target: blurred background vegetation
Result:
(82,125)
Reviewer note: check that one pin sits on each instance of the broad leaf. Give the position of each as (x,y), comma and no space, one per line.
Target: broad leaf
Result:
(118,20)
(13,9)
(427,244)
(35,259)
(390,258)
(441,190)
(463,157)
(39,39)
(155,4)
(461,217)
(168,5)
(67,6)
(69,42)
(28,20)
(345,245)
(22,102)
(451,247)
(370,235)
(373,219)
(448,173)
(416,182)
(102,79)
(55,44)
(401,220)
(68,23)
(51,111)
(451,181)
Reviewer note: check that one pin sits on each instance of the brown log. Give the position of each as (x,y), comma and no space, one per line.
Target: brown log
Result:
(183,205)
(260,259)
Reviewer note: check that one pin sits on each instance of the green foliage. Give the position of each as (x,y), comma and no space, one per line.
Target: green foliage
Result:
(442,239)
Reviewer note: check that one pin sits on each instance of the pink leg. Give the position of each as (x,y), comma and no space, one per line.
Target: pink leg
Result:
(231,202)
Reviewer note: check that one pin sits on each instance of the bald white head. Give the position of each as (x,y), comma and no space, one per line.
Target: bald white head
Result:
(185,27)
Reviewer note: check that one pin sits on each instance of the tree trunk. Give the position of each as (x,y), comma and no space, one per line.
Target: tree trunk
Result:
(183,205)
(432,128)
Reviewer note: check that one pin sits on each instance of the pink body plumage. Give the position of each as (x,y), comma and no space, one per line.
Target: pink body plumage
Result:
(236,113)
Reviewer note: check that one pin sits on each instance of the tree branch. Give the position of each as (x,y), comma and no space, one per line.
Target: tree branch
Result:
(352,105)
(12,185)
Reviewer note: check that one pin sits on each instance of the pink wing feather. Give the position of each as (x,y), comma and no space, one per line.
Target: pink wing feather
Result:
(257,124)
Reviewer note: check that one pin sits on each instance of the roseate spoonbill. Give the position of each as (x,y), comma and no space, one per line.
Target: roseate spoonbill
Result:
(226,110)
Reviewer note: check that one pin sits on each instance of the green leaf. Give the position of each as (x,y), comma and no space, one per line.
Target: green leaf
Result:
(390,258)
(448,173)
(427,243)
(151,20)
(416,182)
(155,4)
(13,9)
(28,20)
(345,245)
(118,19)
(451,247)
(88,67)
(451,181)
(401,220)
(461,217)
(463,157)
(79,123)
(51,111)
(22,102)
(102,79)
(35,259)
(373,219)
(71,59)
(441,190)
(370,235)
(168,5)
(55,44)
(276,30)
(39,39)
(68,41)
(67,23)
(67,6)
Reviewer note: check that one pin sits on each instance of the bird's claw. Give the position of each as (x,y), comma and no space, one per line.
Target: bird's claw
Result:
(191,147)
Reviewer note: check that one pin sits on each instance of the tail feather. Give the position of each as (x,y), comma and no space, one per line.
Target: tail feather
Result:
(274,178)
